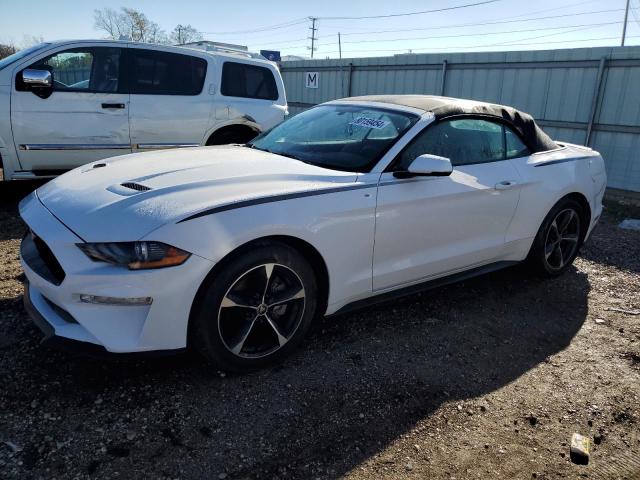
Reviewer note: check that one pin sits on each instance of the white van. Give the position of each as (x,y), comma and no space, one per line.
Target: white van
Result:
(64,104)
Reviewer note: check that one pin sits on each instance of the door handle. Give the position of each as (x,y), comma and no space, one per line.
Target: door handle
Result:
(113,105)
(505,185)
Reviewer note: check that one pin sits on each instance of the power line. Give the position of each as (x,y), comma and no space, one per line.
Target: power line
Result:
(411,13)
(290,23)
(507,20)
(299,20)
(473,34)
(499,44)
(288,42)
(635,14)
(508,42)
(500,22)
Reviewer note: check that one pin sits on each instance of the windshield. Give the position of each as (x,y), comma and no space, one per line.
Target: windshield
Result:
(21,54)
(341,137)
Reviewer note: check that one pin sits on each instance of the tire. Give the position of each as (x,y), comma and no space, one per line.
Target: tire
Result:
(231,135)
(257,309)
(559,239)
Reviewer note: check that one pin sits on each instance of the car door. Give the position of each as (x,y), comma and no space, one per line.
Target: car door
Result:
(84,118)
(170,106)
(430,226)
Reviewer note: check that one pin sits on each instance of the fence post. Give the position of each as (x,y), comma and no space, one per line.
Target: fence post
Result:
(444,77)
(596,99)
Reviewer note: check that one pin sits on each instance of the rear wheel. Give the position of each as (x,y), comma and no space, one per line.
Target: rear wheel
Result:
(228,135)
(257,309)
(559,239)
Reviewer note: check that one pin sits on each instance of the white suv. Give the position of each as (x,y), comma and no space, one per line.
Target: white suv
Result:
(64,104)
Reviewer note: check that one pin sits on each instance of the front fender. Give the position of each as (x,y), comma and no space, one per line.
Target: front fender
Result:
(340,226)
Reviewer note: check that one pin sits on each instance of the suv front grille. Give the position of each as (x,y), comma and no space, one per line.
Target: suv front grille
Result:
(41,259)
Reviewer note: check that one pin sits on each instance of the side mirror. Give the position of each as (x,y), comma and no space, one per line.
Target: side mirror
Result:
(427,165)
(37,78)
(38,81)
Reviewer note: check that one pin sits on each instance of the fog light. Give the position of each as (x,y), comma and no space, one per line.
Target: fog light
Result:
(122,301)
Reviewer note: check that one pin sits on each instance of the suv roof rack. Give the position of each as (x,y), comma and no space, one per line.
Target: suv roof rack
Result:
(210,46)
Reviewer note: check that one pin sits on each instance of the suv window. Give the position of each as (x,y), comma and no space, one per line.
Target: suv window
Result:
(84,69)
(465,141)
(248,81)
(163,73)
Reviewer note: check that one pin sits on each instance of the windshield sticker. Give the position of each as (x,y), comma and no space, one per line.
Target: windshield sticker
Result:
(369,123)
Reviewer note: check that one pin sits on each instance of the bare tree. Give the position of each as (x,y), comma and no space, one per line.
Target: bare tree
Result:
(109,21)
(130,24)
(6,50)
(31,40)
(184,34)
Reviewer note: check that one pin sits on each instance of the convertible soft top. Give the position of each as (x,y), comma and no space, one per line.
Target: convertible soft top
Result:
(443,107)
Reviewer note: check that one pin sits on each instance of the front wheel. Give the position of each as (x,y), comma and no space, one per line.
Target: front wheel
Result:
(257,309)
(559,239)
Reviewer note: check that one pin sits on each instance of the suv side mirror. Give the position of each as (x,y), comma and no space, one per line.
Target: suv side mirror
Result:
(38,81)
(37,78)
(427,165)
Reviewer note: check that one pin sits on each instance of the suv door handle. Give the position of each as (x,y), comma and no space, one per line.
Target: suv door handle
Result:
(113,105)
(505,185)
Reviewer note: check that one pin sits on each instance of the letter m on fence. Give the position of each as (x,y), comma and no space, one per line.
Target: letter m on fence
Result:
(311,79)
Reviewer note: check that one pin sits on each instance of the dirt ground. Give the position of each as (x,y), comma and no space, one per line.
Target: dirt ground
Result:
(483,379)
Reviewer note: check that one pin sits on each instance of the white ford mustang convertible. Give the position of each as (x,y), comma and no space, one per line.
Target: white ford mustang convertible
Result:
(235,250)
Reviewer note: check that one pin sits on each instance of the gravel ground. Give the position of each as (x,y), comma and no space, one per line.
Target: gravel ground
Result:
(484,379)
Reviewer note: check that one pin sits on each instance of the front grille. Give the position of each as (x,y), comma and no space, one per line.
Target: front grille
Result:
(41,259)
(136,186)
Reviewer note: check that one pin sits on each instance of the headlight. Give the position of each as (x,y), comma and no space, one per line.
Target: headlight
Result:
(135,255)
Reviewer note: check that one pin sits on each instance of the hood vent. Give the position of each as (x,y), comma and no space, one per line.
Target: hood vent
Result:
(136,186)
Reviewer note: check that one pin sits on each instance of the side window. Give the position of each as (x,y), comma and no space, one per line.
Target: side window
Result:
(91,70)
(464,142)
(515,147)
(248,81)
(164,73)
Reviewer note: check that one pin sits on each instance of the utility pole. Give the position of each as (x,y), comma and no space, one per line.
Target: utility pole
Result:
(339,45)
(179,34)
(624,26)
(313,34)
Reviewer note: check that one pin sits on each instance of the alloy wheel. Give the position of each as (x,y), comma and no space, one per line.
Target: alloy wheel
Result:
(562,238)
(261,311)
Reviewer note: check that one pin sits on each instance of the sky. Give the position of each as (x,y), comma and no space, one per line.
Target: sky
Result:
(284,25)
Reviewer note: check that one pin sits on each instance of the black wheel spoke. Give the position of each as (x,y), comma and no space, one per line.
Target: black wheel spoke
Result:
(281,338)
(296,294)
(245,334)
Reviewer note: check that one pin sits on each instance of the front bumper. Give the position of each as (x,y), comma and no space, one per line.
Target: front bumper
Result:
(55,304)
(79,347)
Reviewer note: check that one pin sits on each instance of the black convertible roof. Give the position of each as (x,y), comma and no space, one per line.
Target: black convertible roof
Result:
(443,107)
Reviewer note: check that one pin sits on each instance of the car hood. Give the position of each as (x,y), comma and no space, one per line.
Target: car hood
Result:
(170,185)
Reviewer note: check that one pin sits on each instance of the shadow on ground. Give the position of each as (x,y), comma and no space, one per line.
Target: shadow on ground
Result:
(358,383)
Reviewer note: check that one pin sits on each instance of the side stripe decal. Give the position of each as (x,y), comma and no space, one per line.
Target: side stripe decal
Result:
(562,160)
(276,198)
